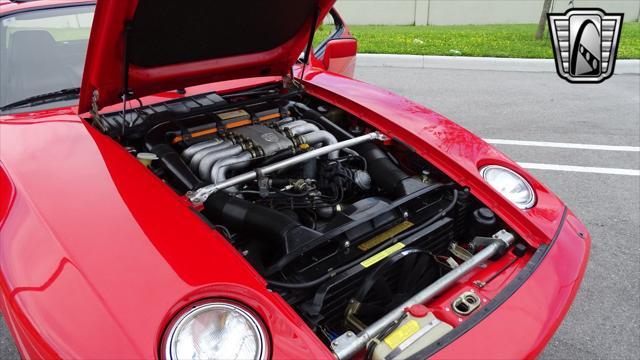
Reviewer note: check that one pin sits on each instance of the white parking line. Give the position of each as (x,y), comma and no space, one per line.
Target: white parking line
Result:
(564,145)
(582,169)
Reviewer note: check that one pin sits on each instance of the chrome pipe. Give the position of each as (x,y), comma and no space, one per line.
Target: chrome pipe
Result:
(197,157)
(207,162)
(221,168)
(303,129)
(349,344)
(195,148)
(324,137)
(293,124)
(200,195)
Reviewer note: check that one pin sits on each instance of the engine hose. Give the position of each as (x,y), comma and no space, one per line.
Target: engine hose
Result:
(307,112)
(195,159)
(334,272)
(279,156)
(208,161)
(192,150)
(292,124)
(385,174)
(309,168)
(221,168)
(155,142)
(244,216)
(317,124)
(194,164)
(324,137)
(303,129)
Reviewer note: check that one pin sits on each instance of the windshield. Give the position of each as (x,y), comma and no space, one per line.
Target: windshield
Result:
(41,52)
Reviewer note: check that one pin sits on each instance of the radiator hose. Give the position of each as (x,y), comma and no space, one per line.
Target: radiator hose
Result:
(385,174)
(244,216)
(156,142)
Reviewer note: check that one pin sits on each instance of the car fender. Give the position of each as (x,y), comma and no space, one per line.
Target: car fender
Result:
(98,254)
(451,148)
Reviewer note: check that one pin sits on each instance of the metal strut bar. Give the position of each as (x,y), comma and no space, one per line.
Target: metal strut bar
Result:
(348,344)
(200,195)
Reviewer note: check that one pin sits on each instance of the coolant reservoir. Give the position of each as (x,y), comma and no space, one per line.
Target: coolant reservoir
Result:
(146,158)
(418,330)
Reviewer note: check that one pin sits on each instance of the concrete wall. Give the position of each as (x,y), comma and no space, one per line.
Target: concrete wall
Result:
(450,12)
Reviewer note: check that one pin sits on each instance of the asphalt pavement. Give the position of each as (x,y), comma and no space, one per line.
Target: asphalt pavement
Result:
(604,321)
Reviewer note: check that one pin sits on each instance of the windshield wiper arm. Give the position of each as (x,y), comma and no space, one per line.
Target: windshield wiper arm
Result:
(64,94)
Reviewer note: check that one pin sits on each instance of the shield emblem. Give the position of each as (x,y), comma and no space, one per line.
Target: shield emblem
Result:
(585,44)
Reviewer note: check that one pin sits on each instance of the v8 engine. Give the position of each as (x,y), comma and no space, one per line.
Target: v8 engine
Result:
(343,222)
(212,160)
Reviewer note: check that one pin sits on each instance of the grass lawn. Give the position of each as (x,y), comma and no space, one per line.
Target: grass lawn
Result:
(59,34)
(470,40)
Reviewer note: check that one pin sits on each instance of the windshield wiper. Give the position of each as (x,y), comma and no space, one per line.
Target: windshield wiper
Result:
(60,95)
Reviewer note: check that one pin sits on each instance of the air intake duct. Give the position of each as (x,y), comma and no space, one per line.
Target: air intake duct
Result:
(246,217)
(385,174)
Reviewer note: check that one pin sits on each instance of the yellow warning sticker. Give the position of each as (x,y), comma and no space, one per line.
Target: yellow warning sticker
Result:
(382,254)
(399,335)
(380,238)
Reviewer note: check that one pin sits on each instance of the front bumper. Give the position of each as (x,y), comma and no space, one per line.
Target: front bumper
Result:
(519,323)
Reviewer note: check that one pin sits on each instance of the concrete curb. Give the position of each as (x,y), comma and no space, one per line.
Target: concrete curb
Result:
(476,63)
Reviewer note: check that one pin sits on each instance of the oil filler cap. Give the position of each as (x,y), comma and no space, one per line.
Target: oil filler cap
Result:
(417,310)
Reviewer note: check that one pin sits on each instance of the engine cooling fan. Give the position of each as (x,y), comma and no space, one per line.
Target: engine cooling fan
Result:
(396,279)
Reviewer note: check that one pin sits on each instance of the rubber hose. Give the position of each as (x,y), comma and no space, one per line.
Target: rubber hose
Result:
(244,216)
(155,142)
(385,174)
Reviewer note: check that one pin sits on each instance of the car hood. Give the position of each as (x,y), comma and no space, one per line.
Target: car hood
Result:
(159,45)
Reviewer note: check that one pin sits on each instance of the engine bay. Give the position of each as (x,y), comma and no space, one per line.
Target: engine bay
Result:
(343,222)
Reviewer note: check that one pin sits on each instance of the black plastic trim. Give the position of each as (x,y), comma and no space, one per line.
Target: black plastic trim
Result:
(494,304)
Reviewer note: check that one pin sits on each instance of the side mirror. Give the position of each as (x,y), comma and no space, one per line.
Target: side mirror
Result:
(340,56)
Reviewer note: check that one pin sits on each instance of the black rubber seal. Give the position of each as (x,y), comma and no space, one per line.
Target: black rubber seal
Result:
(495,303)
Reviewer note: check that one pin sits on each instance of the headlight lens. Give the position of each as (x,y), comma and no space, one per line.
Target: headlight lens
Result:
(215,330)
(511,185)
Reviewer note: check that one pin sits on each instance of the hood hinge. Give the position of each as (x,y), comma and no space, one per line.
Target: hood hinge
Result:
(95,111)
(290,82)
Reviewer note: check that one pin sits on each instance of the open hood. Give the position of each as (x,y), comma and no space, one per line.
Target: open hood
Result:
(159,45)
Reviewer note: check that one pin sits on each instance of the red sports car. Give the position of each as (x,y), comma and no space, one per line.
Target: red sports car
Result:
(207,183)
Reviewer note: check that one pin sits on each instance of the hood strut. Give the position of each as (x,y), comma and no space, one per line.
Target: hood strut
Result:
(126,92)
(312,32)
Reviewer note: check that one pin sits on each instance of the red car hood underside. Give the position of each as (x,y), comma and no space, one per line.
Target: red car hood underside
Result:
(170,44)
